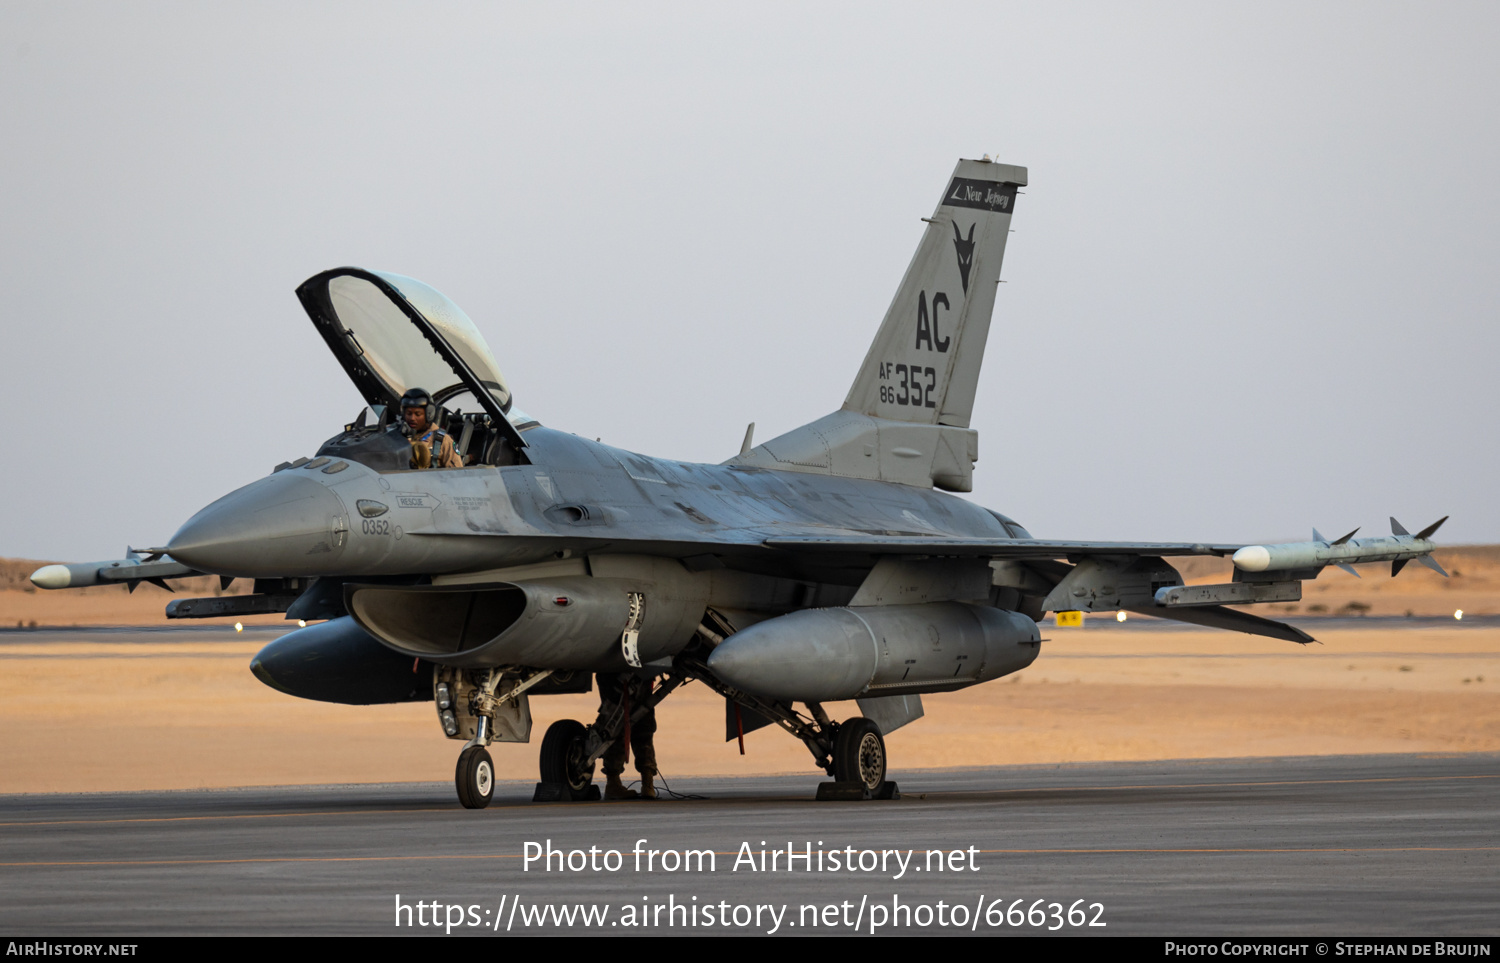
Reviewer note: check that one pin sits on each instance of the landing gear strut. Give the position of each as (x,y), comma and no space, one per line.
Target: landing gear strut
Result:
(852,752)
(486,705)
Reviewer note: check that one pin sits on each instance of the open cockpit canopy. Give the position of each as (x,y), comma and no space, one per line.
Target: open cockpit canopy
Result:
(392,333)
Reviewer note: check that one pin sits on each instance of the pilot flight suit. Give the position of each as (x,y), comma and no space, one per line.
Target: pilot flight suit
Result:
(422,449)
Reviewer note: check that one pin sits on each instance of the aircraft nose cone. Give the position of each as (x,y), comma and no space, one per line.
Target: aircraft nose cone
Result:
(284,525)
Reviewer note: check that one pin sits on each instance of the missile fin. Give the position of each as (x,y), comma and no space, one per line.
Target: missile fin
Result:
(1346,537)
(1397,528)
(130,585)
(1348,568)
(1397,565)
(1317,537)
(1428,531)
(1428,561)
(160,583)
(224,581)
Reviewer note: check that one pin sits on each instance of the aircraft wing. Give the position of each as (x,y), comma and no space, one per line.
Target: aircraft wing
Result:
(1001,548)
(1105,576)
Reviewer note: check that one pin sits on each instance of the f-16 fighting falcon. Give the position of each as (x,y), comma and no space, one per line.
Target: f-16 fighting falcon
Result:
(827,564)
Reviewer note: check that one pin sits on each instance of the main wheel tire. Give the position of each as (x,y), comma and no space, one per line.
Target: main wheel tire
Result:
(859,753)
(475,778)
(562,757)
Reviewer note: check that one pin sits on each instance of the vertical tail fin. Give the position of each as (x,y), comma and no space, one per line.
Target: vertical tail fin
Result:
(906,419)
(924,364)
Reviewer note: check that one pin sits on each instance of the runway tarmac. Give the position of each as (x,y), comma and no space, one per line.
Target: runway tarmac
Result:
(1401,845)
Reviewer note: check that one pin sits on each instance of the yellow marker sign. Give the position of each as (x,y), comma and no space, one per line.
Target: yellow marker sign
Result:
(1069,620)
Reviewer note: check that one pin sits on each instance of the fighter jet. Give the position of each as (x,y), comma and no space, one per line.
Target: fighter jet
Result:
(831,563)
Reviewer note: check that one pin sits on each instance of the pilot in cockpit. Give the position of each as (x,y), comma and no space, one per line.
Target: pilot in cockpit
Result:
(431,446)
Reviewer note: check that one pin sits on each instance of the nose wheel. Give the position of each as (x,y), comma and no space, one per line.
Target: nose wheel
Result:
(475,778)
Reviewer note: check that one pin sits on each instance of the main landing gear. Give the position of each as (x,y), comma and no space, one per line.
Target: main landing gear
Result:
(852,751)
(567,768)
(570,749)
(489,705)
(859,754)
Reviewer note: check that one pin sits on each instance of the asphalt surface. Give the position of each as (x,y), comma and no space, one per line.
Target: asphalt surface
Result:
(1328,846)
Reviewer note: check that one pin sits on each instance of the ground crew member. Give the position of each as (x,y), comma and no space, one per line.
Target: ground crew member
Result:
(629,693)
(431,446)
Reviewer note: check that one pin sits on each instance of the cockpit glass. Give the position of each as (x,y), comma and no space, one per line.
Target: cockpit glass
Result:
(455,328)
(385,339)
(464,400)
(393,333)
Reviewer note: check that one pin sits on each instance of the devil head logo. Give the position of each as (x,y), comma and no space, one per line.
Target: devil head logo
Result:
(965,249)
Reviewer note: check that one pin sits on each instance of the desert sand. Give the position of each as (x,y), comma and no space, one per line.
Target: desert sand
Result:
(96,711)
(97,714)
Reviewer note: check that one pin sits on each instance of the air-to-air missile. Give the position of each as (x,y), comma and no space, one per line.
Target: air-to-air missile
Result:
(1398,548)
(130,570)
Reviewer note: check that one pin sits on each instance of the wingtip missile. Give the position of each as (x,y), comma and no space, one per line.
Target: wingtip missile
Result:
(1398,548)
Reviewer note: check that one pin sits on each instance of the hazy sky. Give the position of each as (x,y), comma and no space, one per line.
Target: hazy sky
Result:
(1250,290)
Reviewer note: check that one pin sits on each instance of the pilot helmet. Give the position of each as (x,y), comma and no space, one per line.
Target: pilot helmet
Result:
(419,398)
